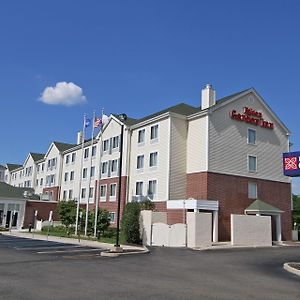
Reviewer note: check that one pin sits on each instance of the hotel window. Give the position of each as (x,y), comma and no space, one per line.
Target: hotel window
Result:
(94,149)
(115,142)
(38,169)
(64,195)
(105,145)
(112,217)
(251,136)
(153,159)
(139,188)
(73,157)
(41,182)
(114,166)
(43,167)
(67,159)
(70,194)
(113,191)
(37,182)
(103,192)
(154,132)
(140,162)
(91,192)
(84,173)
(252,163)
(83,192)
(72,175)
(92,171)
(252,190)
(86,153)
(152,187)
(104,167)
(66,176)
(141,136)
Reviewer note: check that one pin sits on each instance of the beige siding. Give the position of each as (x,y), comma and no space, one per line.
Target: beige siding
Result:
(161,172)
(229,148)
(197,145)
(178,159)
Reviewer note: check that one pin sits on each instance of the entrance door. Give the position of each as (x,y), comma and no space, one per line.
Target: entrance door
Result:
(8,216)
(15,220)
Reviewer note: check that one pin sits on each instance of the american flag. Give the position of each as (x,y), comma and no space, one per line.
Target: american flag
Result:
(97,122)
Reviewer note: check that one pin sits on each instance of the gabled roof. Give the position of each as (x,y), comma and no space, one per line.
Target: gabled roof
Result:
(259,206)
(37,156)
(9,191)
(224,99)
(63,146)
(128,121)
(12,167)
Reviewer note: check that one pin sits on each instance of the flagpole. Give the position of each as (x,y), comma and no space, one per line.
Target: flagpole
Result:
(97,191)
(80,174)
(88,193)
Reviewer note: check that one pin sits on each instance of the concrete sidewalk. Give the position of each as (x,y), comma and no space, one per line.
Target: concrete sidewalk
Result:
(73,241)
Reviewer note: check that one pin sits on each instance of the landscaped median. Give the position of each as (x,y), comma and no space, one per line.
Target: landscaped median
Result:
(292,267)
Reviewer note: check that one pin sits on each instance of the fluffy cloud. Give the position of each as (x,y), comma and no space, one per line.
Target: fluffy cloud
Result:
(63,93)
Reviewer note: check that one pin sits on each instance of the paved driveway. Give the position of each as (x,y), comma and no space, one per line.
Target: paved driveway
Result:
(165,273)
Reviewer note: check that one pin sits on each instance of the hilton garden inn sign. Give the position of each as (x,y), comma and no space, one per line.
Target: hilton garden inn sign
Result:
(291,164)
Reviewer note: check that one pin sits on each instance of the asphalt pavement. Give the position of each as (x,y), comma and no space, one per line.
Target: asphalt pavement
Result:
(31,269)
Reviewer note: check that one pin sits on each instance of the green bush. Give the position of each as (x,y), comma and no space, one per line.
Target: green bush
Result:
(67,212)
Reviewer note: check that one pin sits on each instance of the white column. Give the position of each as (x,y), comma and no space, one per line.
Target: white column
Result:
(215,225)
(278,228)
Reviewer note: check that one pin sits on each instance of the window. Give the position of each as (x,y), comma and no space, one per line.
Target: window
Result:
(64,195)
(113,190)
(103,192)
(140,162)
(70,194)
(114,165)
(86,153)
(67,159)
(84,173)
(154,132)
(72,175)
(41,182)
(91,192)
(38,168)
(252,163)
(153,159)
(141,136)
(251,136)
(115,142)
(43,165)
(66,176)
(105,145)
(94,149)
(139,188)
(83,193)
(112,217)
(92,171)
(104,167)
(37,182)
(252,190)
(152,189)
(73,157)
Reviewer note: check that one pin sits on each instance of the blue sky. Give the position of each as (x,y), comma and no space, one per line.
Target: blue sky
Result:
(139,57)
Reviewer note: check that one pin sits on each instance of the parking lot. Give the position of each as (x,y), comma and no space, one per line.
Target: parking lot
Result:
(32,269)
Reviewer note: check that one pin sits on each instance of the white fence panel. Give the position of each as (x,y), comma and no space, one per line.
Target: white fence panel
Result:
(177,235)
(160,234)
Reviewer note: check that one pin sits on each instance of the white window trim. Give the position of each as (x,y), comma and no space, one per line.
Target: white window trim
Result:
(102,198)
(114,213)
(155,140)
(113,198)
(140,144)
(248,136)
(142,188)
(248,160)
(140,170)
(153,168)
(155,195)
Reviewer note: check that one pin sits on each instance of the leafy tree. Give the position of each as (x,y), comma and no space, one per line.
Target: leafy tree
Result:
(296,210)
(103,220)
(67,212)
(147,205)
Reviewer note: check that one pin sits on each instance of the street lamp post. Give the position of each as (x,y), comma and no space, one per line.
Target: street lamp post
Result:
(122,117)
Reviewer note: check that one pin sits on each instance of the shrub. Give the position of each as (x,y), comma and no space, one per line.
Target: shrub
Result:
(67,212)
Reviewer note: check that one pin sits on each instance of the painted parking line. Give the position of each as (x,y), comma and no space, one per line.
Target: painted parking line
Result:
(70,251)
(46,247)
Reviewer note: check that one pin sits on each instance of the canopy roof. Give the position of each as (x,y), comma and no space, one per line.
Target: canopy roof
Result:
(261,207)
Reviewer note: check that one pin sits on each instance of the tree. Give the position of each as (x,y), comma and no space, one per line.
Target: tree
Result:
(103,220)
(67,212)
(296,210)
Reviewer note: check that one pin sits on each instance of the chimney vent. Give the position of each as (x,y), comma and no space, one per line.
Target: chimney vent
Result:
(208,96)
(79,137)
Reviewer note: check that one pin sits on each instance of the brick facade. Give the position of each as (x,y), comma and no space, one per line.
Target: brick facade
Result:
(232,194)
(55,192)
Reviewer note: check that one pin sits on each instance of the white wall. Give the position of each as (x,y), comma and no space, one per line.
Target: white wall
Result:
(251,230)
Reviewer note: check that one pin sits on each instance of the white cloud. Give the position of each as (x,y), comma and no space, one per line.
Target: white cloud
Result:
(63,93)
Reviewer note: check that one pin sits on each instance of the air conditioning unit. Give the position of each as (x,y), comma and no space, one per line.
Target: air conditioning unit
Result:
(138,198)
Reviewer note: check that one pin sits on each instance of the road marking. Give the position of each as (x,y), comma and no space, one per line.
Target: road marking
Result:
(46,247)
(70,251)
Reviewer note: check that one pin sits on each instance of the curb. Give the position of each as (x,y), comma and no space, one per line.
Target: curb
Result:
(290,269)
(116,254)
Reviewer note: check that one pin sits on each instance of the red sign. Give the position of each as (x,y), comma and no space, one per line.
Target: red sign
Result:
(251,116)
